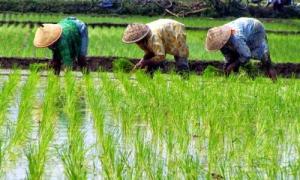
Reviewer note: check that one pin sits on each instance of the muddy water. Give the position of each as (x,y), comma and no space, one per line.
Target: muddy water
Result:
(17,169)
(54,168)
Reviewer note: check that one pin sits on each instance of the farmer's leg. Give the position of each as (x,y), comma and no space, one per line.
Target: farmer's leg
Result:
(82,62)
(232,63)
(261,52)
(268,67)
(83,30)
(231,60)
(56,64)
(182,66)
(153,66)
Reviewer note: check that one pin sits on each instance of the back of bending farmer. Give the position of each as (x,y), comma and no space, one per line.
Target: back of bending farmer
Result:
(68,41)
(239,41)
(158,38)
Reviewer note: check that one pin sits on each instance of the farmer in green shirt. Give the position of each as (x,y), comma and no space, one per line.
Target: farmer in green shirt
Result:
(68,41)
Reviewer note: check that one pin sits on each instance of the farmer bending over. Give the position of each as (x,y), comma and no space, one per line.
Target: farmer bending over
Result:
(239,41)
(68,41)
(158,38)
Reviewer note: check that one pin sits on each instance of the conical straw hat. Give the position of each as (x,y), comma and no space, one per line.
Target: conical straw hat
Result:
(217,37)
(46,35)
(135,33)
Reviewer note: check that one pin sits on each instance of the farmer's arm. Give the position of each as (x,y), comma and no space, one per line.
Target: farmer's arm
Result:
(227,53)
(242,48)
(153,57)
(65,53)
(56,62)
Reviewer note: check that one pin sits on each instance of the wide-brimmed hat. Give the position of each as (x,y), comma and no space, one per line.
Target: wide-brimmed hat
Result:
(46,35)
(217,37)
(135,33)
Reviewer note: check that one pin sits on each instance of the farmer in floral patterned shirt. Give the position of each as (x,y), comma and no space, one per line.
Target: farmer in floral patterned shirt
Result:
(68,41)
(239,41)
(158,38)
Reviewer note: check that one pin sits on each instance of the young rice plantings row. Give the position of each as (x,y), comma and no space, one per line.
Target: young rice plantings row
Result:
(107,42)
(271,24)
(150,128)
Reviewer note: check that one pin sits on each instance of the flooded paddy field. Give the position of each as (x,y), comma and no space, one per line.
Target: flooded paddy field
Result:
(110,125)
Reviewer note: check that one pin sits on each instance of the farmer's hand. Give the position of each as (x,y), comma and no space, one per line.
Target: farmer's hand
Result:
(140,65)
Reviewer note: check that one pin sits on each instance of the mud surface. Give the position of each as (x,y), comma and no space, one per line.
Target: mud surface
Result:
(286,70)
(32,24)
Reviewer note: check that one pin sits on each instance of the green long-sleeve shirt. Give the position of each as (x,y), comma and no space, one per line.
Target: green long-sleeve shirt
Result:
(67,48)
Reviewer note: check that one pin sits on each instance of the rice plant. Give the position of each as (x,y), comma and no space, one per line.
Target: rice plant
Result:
(7,91)
(73,154)
(38,153)
(20,135)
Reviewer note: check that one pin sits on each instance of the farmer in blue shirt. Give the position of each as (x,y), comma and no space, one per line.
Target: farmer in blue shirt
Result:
(239,41)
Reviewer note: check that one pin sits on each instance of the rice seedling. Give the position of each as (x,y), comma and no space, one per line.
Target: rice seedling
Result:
(6,95)
(38,153)
(20,135)
(73,156)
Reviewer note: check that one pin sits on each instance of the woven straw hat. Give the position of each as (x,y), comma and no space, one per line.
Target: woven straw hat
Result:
(46,35)
(217,37)
(135,33)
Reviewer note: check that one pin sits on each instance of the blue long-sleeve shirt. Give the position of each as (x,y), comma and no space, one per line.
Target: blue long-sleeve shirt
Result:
(248,39)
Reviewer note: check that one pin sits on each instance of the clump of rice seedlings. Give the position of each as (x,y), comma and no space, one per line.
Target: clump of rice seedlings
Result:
(148,162)
(37,155)
(113,161)
(112,167)
(128,113)
(6,94)
(23,127)
(112,93)
(123,65)
(73,156)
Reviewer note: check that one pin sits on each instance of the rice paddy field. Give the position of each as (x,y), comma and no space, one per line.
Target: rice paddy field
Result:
(132,126)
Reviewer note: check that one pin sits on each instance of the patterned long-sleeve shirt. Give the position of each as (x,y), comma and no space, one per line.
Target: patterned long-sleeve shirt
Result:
(67,48)
(248,39)
(167,37)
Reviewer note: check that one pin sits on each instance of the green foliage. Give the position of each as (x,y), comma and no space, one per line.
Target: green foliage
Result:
(73,155)
(7,94)
(37,155)
(20,135)
(162,127)
(211,71)
(123,65)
